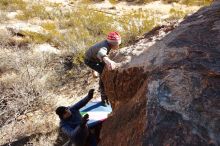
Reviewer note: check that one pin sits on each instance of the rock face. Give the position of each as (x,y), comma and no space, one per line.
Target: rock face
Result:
(168,92)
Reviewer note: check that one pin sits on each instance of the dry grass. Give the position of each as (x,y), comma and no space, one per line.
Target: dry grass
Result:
(38,122)
(186,2)
(28,89)
(24,89)
(82,27)
(32,83)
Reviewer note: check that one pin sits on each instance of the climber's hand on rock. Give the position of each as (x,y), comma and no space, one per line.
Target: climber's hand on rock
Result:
(118,65)
(111,65)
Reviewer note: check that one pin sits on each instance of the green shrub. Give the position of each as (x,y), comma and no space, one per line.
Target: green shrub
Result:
(177,13)
(35,10)
(54,36)
(187,2)
(135,24)
(79,57)
(36,37)
(88,26)
(197,2)
(83,27)
(116,1)
(50,26)
(12,5)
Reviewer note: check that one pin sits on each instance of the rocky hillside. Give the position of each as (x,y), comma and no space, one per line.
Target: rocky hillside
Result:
(167,92)
(41,57)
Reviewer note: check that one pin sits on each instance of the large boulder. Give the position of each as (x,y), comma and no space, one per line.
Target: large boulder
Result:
(168,91)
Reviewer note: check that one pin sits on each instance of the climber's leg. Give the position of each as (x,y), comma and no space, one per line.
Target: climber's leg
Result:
(102,92)
(98,66)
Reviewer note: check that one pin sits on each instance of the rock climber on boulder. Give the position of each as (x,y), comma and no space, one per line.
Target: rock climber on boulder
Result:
(96,57)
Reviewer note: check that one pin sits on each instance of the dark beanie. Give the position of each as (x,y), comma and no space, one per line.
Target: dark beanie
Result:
(60,111)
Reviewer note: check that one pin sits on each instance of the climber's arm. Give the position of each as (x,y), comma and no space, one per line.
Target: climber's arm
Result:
(84,101)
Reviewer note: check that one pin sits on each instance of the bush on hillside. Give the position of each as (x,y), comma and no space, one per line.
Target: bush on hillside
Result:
(23,82)
(82,27)
(12,5)
(186,2)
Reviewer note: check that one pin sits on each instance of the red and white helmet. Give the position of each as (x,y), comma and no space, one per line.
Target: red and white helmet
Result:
(114,38)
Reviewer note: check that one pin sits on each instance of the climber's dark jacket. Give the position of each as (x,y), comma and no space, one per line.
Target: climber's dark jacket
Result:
(72,126)
(98,51)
